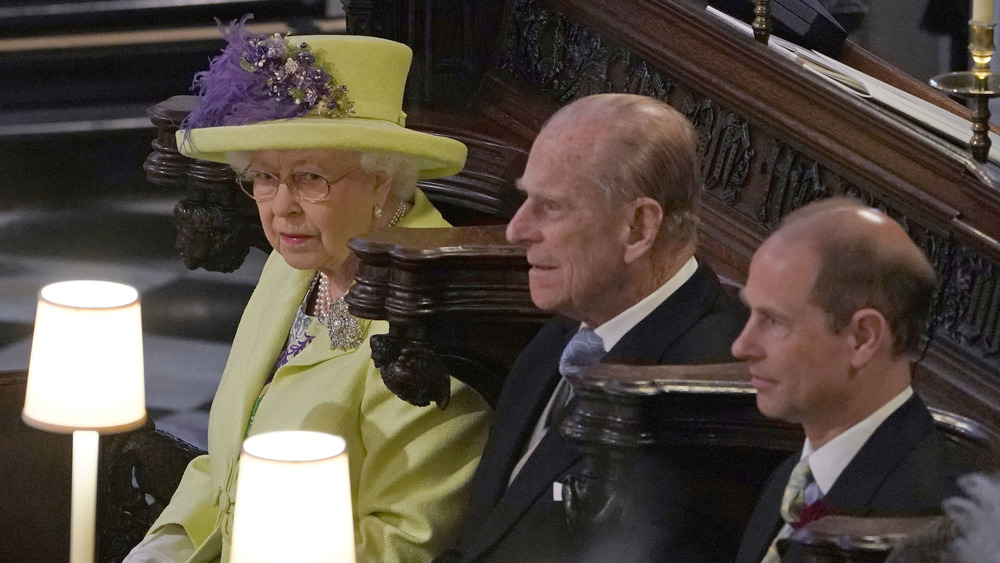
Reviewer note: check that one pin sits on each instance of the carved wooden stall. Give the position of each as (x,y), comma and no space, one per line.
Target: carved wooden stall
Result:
(629,414)
(773,137)
(639,428)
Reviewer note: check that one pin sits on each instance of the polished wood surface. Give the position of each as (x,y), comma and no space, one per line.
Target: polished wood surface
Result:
(773,137)
(847,539)
(457,302)
(638,406)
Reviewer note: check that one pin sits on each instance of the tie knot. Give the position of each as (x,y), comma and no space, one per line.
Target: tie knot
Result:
(794,499)
(584,349)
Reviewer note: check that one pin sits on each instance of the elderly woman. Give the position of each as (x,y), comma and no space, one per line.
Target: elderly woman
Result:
(314,127)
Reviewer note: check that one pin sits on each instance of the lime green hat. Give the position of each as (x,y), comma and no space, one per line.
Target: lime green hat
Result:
(310,92)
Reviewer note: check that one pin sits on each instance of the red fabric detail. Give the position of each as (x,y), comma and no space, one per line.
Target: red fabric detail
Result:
(812,512)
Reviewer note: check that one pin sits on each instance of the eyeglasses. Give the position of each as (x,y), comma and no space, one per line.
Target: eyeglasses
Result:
(261,185)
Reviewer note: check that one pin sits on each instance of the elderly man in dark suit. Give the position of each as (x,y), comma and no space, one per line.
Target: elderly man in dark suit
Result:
(612,185)
(838,297)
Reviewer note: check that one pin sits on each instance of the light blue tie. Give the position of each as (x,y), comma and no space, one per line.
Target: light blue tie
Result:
(586,348)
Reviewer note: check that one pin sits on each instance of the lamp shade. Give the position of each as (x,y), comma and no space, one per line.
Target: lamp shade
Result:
(293,500)
(85,369)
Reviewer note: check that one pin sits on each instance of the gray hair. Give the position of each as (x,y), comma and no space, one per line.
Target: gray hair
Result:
(404,169)
(651,150)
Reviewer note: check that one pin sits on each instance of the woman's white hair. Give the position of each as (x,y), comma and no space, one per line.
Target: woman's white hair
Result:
(403,169)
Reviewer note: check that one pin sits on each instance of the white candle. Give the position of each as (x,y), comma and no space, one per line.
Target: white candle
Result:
(982,11)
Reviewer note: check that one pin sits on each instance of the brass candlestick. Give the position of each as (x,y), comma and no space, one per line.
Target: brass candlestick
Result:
(761,20)
(978,84)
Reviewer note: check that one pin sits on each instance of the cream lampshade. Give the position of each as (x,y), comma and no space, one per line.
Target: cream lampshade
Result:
(293,500)
(85,370)
(85,376)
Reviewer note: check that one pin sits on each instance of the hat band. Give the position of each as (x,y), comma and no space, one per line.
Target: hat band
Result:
(375,110)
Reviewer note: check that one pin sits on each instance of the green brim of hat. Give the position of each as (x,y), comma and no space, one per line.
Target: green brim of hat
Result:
(438,156)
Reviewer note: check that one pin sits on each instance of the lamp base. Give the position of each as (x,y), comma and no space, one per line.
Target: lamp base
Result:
(84,507)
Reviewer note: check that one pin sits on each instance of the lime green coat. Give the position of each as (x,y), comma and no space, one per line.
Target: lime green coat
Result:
(410,466)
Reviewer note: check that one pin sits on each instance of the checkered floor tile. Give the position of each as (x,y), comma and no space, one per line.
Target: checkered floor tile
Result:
(189,317)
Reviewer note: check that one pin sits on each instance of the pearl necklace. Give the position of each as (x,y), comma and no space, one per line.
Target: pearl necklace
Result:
(344,328)
(346,331)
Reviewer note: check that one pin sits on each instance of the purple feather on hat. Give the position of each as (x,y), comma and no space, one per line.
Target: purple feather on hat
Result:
(263,78)
(230,94)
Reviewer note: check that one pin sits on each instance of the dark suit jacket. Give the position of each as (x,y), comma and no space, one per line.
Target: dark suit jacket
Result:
(906,468)
(697,324)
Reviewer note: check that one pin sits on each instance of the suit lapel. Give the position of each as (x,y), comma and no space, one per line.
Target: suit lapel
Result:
(528,391)
(766,519)
(524,396)
(891,442)
(653,336)
(526,403)
(252,358)
(854,488)
(552,457)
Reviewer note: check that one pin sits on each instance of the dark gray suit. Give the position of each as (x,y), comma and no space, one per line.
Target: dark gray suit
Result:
(697,324)
(906,468)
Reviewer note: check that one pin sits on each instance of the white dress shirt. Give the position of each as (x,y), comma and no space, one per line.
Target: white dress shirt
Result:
(829,461)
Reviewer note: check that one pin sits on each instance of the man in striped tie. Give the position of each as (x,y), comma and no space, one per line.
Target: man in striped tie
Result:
(612,189)
(838,298)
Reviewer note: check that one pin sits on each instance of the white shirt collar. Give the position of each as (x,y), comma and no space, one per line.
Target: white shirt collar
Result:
(613,330)
(829,461)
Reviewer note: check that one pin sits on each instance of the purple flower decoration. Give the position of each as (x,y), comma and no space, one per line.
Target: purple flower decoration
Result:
(294,350)
(261,78)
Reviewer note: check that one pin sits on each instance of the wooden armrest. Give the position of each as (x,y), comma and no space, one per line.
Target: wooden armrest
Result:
(624,406)
(656,440)
(836,539)
(138,474)
(447,294)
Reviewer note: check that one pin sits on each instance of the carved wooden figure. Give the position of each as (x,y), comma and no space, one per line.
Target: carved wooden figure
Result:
(457,303)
